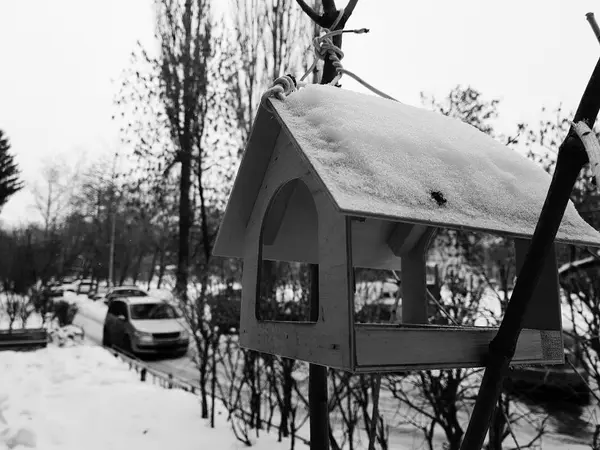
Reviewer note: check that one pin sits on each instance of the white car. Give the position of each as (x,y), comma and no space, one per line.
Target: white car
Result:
(145,326)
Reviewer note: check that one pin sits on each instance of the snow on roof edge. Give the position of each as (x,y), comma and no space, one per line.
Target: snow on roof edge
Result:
(340,132)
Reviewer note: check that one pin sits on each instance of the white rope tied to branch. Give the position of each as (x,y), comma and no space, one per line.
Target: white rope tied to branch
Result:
(323,46)
(592,147)
(281,87)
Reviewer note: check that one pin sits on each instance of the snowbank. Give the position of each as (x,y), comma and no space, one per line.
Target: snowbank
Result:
(82,397)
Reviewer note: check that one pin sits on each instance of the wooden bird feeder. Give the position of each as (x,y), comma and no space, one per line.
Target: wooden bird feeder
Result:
(346,180)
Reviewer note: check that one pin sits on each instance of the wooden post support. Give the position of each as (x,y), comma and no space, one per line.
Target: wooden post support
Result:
(318,406)
(571,159)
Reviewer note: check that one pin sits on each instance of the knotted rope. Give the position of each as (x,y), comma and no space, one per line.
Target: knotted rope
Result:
(281,87)
(323,46)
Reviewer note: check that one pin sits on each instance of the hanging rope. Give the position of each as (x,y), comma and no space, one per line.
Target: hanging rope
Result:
(323,47)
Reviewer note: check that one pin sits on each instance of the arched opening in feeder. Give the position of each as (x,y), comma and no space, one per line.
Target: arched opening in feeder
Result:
(287,288)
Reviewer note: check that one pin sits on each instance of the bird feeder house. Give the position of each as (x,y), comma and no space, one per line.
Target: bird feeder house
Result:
(344,180)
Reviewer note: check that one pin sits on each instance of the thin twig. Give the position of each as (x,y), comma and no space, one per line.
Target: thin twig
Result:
(510,430)
(441,307)
(595,28)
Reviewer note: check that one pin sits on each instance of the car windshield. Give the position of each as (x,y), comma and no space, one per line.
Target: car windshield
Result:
(153,311)
(129,293)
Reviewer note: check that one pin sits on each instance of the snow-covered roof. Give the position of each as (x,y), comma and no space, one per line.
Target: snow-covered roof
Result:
(380,158)
(383,158)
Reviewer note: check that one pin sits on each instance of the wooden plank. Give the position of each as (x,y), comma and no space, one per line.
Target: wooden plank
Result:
(277,212)
(415,348)
(297,228)
(545,308)
(298,340)
(369,247)
(404,237)
(369,244)
(414,279)
(328,341)
(263,139)
(564,239)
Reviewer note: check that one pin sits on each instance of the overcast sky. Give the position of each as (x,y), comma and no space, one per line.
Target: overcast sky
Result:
(59,59)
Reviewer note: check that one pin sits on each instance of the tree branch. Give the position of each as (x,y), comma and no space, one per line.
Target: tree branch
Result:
(329,6)
(348,11)
(326,20)
(310,12)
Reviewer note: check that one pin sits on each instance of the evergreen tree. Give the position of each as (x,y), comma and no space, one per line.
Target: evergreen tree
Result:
(9,172)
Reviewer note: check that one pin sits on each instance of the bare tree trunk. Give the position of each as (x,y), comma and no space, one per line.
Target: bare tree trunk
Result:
(152,266)
(136,267)
(185,221)
(125,268)
(161,269)
(213,382)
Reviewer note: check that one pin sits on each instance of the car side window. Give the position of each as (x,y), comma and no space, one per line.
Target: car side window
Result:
(112,309)
(122,309)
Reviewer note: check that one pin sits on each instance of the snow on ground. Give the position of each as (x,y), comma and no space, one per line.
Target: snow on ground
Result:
(89,308)
(82,397)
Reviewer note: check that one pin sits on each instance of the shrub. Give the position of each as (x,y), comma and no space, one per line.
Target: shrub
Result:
(64,312)
(225,313)
(42,303)
(17,309)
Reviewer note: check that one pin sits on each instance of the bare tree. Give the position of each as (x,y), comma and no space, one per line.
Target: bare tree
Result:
(52,196)
(272,38)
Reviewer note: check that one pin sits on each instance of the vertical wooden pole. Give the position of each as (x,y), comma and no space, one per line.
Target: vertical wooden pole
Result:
(317,380)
